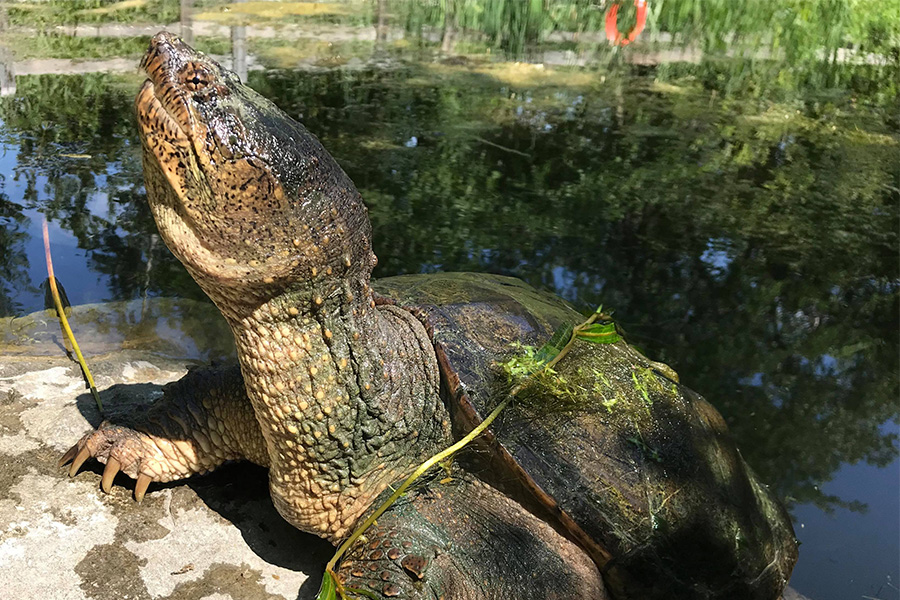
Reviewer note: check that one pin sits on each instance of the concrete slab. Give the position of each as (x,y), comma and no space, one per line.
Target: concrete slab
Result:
(215,537)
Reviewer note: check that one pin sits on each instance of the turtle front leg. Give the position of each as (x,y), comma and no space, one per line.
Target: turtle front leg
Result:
(466,541)
(201,421)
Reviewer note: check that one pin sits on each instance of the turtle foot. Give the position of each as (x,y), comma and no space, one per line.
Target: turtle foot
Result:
(122,449)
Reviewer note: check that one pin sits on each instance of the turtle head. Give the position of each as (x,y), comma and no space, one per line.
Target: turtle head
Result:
(243,195)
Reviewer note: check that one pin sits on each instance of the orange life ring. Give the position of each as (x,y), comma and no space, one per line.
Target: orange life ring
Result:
(612,28)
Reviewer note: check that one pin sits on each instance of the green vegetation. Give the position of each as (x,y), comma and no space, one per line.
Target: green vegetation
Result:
(800,31)
(55,45)
(539,385)
(353,12)
(70,12)
(795,29)
(64,322)
(65,46)
(284,54)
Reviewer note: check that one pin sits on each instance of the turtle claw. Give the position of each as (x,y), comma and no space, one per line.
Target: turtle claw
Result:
(109,473)
(122,449)
(69,455)
(79,459)
(140,488)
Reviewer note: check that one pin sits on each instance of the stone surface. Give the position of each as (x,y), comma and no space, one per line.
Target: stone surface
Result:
(213,537)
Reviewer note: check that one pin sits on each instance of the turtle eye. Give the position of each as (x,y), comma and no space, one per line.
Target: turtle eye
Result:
(196,77)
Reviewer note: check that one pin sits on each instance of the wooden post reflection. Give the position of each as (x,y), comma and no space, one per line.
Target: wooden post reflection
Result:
(187,21)
(380,25)
(239,50)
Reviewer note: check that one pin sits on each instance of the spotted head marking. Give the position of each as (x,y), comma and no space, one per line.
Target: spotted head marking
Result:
(245,196)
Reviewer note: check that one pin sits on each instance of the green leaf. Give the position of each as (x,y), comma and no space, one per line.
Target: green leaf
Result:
(327,591)
(599,333)
(548,351)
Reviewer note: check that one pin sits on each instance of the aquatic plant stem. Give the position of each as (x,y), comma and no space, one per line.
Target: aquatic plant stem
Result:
(331,584)
(60,311)
(335,584)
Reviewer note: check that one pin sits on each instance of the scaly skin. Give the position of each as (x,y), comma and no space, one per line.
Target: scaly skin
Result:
(347,402)
(463,540)
(200,422)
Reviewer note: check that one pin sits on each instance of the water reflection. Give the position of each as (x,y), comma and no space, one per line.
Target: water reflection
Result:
(740,216)
(173,328)
(7,73)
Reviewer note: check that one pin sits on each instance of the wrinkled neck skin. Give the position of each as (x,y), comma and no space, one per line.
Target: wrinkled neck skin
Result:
(346,394)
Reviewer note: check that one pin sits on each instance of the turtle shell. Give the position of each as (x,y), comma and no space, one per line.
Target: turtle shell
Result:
(635,467)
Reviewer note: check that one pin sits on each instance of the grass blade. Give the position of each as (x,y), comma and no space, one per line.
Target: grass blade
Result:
(61,313)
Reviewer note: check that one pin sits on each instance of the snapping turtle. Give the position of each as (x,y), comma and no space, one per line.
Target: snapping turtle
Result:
(607,479)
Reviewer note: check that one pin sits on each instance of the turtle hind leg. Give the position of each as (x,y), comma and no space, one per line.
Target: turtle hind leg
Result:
(466,541)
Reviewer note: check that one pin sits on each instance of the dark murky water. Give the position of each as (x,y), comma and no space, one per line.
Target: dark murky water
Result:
(739,216)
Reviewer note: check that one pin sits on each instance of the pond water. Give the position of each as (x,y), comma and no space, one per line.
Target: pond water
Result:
(739,213)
